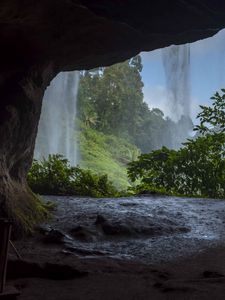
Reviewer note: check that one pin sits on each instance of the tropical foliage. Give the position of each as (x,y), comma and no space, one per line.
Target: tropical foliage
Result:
(116,125)
(106,154)
(111,101)
(54,176)
(198,168)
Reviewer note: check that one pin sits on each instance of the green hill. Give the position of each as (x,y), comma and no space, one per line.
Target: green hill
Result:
(106,154)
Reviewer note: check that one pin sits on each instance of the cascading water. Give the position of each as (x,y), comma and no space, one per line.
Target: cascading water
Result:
(56,131)
(176,63)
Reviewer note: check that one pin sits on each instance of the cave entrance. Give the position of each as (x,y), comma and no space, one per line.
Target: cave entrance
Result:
(125,113)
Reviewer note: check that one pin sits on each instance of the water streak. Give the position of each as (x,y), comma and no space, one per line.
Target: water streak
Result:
(176,63)
(56,131)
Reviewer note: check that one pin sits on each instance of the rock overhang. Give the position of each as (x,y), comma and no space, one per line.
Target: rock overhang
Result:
(82,34)
(41,38)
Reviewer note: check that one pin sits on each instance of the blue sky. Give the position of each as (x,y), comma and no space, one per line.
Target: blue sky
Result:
(207,73)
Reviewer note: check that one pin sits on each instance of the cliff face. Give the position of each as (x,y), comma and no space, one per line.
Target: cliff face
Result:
(41,38)
(80,34)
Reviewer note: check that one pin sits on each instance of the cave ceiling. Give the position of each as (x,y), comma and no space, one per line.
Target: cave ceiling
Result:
(82,34)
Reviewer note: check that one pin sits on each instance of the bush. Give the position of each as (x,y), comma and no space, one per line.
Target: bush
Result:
(197,169)
(54,176)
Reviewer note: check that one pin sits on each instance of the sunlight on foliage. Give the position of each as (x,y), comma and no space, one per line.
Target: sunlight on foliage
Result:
(54,176)
(106,154)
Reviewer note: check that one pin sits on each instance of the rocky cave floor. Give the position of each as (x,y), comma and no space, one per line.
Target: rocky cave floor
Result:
(126,248)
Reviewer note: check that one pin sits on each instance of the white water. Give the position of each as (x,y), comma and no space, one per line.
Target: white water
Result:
(176,63)
(56,131)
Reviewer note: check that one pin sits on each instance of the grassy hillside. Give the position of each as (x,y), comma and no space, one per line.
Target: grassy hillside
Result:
(106,154)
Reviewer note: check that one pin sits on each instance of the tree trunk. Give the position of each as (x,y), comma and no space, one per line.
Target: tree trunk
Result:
(21,99)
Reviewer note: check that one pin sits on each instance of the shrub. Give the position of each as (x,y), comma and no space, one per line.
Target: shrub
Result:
(55,176)
(197,169)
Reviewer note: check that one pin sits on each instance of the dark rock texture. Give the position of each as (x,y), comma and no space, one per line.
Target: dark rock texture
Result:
(25,268)
(82,34)
(21,97)
(41,38)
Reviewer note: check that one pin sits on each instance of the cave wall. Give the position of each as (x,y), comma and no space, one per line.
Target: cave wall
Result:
(82,34)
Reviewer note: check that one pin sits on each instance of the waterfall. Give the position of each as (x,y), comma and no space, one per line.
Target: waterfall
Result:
(176,63)
(56,131)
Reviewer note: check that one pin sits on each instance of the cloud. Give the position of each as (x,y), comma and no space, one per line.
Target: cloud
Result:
(194,108)
(205,46)
(156,97)
(150,56)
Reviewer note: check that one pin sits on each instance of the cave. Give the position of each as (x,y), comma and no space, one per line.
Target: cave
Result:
(42,38)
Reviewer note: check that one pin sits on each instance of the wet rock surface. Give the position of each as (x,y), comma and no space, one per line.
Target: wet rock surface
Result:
(54,236)
(83,234)
(211,274)
(115,229)
(149,229)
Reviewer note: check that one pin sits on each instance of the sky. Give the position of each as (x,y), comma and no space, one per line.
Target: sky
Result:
(207,74)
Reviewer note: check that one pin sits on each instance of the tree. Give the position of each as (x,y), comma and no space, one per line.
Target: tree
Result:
(198,168)
(111,100)
(212,118)
(114,94)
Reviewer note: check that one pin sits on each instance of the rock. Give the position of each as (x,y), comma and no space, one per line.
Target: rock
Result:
(112,229)
(154,229)
(25,269)
(61,272)
(44,229)
(212,274)
(183,229)
(83,234)
(100,220)
(160,274)
(116,229)
(62,33)
(54,236)
(84,252)
(129,204)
